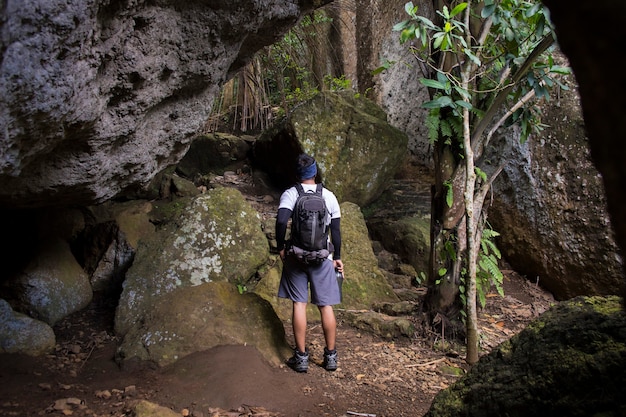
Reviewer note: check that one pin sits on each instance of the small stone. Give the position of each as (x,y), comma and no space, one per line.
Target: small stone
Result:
(185,412)
(74,401)
(105,395)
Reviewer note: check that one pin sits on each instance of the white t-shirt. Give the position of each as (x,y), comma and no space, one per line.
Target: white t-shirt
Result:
(289,197)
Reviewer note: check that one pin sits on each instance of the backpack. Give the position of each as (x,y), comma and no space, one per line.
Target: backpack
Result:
(309,226)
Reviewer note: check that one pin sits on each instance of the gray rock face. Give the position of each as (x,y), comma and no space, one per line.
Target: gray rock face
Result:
(96,97)
(550,208)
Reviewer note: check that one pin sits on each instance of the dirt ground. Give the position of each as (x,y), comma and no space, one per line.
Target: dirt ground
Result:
(376,376)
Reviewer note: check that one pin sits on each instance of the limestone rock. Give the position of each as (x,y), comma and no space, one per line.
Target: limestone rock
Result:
(216,236)
(571,361)
(22,334)
(145,408)
(364,282)
(551,210)
(193,319)
(98,96)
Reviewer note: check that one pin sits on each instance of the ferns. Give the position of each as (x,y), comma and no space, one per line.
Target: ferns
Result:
(488,273)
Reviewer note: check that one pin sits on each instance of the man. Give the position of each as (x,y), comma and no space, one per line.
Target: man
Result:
(321,276)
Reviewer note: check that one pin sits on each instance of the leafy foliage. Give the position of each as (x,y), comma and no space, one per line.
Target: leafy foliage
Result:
(483,63)
(488,274)
(279,77)
(518,27)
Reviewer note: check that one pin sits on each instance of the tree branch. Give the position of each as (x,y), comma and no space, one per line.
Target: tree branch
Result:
(521,102)
(491,112)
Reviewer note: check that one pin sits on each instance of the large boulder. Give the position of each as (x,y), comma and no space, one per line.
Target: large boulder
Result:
(193,319)
(357,150)
(571,361)
(216,236)
(550,208)
(22,334)
(107,245)
(96,96)
(53,285)
(364,282)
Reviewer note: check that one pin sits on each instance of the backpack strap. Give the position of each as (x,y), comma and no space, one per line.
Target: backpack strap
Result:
(300,189)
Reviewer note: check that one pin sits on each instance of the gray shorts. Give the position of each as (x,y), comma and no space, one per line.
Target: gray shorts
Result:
(296,277)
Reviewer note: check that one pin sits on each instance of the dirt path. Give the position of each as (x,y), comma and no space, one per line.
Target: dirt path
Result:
(378,377)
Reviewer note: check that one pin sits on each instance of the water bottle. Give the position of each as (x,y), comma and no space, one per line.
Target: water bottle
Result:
(339,276)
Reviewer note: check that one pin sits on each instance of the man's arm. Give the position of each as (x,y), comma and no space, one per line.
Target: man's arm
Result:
(335,237)
(281,227)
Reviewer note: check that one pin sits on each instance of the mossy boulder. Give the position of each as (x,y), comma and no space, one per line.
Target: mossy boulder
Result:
(364,282)
(215,236)
(357,150)
(194,319)
(571,361)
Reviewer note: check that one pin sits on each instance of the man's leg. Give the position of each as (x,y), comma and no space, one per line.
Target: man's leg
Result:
(298,320)
(329,325)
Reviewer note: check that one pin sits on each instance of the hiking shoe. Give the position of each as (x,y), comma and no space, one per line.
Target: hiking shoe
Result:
(330,359)
(299,362)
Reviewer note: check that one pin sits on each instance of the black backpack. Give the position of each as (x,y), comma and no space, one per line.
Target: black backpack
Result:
(309,228)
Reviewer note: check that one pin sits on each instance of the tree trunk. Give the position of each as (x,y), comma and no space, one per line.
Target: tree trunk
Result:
(442,303)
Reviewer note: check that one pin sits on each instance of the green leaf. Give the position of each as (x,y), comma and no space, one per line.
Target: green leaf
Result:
(462,92)
(480,173)
(558,69)
(446,129)
(465,104)
(406,34)
(442,271)
(439,37)
(446,12)
(458,9)
(433,83)
(488,10)
(440,102)
(410,9)
(473,57)
(386,64)
(399,26)
(449,194)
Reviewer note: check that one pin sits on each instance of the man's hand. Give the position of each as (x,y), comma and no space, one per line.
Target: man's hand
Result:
(282,254)
(338,265)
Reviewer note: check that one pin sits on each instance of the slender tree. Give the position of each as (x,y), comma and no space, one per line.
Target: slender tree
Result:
(484,63)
